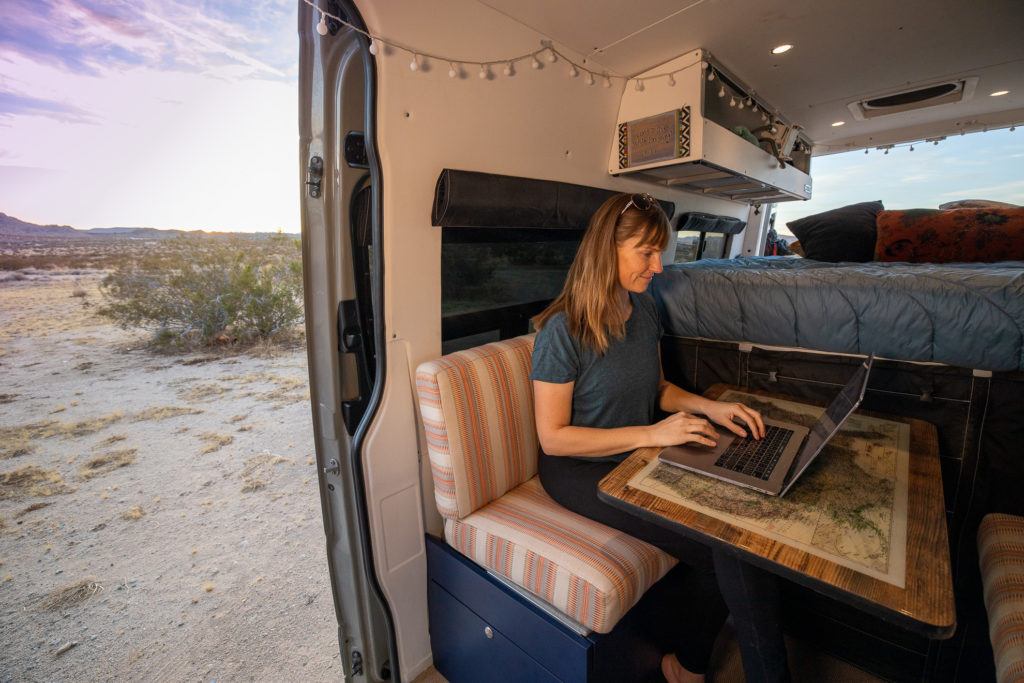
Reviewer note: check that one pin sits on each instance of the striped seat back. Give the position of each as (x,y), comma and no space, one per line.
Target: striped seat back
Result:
(477,411)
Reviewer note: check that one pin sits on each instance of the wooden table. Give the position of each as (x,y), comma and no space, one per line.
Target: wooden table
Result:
(924,606)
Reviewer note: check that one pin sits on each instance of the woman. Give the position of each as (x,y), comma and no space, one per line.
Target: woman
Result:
(597,383)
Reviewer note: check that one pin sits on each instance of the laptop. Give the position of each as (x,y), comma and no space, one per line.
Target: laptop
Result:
(773,464)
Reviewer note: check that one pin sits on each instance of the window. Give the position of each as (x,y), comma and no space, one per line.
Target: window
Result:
(493,280)
(692,245)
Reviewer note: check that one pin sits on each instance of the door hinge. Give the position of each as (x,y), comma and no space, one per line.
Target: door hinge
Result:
(314,176)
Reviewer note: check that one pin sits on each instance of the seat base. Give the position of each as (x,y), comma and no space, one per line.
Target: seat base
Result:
(525,643)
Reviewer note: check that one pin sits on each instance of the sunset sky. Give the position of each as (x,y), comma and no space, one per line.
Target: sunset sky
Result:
(177,114)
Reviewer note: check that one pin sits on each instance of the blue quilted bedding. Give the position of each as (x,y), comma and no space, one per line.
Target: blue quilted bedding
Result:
(963,314)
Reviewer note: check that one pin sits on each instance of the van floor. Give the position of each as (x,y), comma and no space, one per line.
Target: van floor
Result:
(805,662)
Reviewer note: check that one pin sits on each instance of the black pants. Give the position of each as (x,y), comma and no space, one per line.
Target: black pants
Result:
(718,583)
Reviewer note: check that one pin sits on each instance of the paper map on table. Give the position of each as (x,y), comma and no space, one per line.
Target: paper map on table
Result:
(849,507)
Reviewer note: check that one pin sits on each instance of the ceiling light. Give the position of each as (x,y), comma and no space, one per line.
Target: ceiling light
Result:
(781,48)
(838,123)
(999,93)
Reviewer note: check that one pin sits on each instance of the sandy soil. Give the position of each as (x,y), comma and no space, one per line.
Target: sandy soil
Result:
(159,512)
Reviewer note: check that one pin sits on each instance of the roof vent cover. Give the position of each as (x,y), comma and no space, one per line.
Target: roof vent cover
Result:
(951,92)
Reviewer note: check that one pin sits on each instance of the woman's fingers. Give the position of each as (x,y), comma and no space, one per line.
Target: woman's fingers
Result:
(753,420)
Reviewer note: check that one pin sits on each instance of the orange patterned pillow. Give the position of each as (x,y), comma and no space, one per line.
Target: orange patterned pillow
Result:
(956,235)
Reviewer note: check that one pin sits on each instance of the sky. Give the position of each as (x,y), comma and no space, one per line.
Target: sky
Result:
(184,114)
(160,113)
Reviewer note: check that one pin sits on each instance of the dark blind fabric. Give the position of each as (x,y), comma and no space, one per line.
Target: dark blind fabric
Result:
(618,389)
(843,234)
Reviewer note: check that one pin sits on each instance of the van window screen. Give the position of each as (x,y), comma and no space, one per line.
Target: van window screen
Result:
(494,280)
(693,246)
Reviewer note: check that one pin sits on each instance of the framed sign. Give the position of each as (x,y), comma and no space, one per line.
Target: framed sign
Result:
(655,138)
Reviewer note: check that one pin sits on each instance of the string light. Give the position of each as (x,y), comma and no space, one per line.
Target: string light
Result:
(414,65)
(373,46)
(534,62)
(711,74)
(671,80)
(573,72)
(509,70)
(590,78)
(483,71)
(452,71)
(321,28)
(552,57)
(721,91)
(607,81)
(732,101)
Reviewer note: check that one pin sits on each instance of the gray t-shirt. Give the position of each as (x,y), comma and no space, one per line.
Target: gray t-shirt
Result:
(618,389)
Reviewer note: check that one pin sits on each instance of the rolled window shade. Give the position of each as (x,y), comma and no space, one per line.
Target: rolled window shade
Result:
(467,199)
(694,221)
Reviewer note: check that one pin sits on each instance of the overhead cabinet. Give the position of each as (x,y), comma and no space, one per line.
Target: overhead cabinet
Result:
(700,129)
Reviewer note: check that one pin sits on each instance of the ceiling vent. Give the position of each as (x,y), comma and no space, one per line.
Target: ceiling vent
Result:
(950,92)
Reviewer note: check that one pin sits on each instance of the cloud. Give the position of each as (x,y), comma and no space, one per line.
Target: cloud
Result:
(95,37)
(12,104)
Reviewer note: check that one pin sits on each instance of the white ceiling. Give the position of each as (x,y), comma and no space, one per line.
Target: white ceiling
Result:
(844,51)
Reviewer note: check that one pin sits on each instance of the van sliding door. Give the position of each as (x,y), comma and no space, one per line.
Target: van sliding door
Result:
(340,229)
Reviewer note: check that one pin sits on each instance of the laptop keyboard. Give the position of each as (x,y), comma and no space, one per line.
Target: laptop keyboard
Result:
(756,458)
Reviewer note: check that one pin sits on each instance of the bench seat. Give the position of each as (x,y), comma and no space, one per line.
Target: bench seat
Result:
(477,411)
(590,572)
(1001,553)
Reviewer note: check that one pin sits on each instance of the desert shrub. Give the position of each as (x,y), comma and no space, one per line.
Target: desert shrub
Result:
(201,290)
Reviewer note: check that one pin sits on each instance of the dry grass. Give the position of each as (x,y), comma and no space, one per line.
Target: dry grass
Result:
(237,418)
(107,462)
(18,440)
(31,481)
(7,398)
(163,413)
(133,513)
(202,392)
(214,441)
(71,594)
(257,470)
(208,586)
(111,440)
(32,508)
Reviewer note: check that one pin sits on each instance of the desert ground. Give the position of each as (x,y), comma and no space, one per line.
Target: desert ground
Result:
(159,514)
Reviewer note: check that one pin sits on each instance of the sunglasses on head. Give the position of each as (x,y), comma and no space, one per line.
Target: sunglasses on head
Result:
(641,202)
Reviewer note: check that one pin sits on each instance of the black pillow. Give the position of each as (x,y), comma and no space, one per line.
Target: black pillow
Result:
(845,234)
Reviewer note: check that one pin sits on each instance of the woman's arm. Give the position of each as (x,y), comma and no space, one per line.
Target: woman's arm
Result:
(553,411)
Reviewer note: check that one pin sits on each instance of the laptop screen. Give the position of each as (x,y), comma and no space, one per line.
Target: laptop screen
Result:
(835,414)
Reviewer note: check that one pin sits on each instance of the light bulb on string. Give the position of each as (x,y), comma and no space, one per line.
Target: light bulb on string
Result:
(552,57)
(414,65)
(452,71)
(373,46)
(749,101)
(321,28)
(671,80)
(534,62)
(590,78)
(741,105)
(483,71)
(639,85)
(607,81)
(509,70)
(721,91)
(732,101)
(711,74)
(573,71)
(764,117)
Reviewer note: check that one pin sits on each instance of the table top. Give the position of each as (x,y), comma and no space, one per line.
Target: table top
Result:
(925,605)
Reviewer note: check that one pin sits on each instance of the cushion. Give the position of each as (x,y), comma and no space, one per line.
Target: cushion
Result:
(843,234)
(976,204)
(477,411)
(957,235)
(1001,554)
(591,572)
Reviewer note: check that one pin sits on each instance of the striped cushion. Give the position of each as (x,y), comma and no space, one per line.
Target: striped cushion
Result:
(1001,552)
(477,411)
(591,572)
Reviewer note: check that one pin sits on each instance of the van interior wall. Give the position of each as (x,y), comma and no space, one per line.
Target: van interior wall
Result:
(540,123)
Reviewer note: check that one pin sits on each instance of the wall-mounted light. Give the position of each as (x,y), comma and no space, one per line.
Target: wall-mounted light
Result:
(836,124)
(999,93)
(781,48)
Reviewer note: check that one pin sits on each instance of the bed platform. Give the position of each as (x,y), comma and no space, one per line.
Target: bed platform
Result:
(949,341)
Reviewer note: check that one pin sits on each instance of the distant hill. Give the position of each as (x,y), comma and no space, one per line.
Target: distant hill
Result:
(11,226)
(14,227)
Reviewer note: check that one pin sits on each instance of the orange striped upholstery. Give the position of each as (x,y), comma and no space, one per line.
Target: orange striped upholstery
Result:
(591,572)
(1001,553)
(477,411)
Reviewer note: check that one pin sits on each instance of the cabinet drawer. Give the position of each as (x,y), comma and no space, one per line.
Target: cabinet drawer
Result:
(466,648)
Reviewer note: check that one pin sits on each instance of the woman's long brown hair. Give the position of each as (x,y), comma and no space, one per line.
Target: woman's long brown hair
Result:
(590,297)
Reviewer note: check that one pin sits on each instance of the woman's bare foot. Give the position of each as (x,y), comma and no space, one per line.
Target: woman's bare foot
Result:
(676,673)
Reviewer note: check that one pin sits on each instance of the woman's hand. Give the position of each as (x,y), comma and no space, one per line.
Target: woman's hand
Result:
(680,428)
(725,413)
